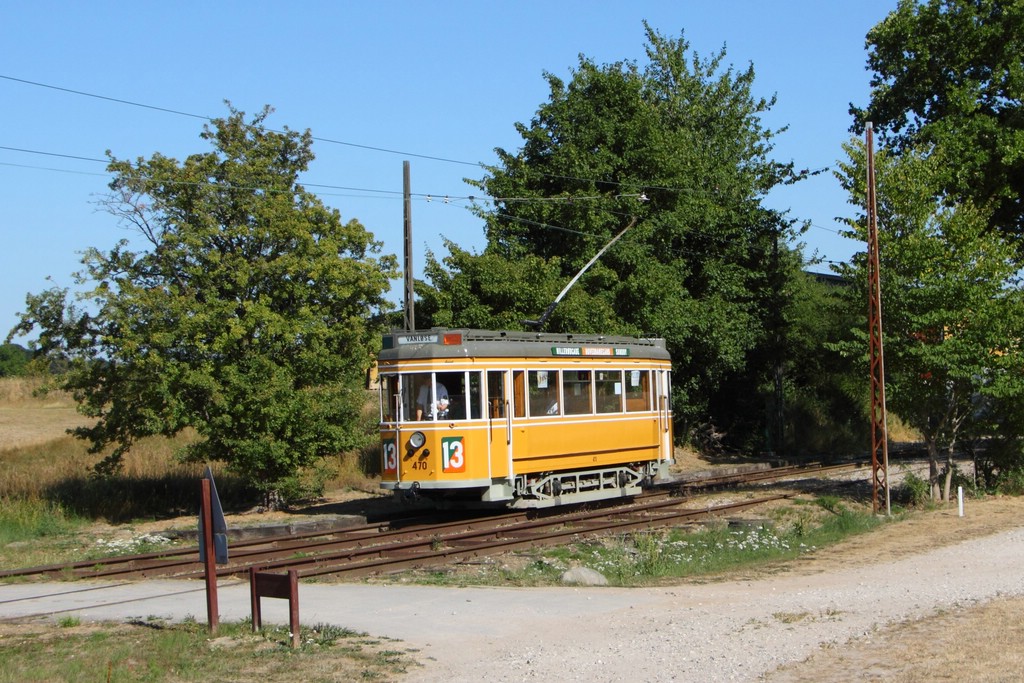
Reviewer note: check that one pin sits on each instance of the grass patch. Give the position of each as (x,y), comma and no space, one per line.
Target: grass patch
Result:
(151,650)
(648,557)
(27,520)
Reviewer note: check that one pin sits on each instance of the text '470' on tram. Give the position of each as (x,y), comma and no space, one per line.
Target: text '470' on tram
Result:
(523,419)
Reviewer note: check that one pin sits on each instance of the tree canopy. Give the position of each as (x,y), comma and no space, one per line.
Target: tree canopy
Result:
(950,73)
(677,145)
(247,315)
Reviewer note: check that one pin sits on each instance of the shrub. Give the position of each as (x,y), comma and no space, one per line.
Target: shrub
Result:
(1011,483)
(912,490)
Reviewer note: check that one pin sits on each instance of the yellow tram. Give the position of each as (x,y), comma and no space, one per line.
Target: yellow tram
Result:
(523,419)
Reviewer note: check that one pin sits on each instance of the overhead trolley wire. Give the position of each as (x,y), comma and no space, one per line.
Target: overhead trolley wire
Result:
(428,197)
(53,154)
(333,141)
(201,117)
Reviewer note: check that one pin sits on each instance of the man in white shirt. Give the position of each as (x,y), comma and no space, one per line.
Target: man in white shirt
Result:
(436,411)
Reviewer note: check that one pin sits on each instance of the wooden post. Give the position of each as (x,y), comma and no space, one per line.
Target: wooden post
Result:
(209,561)
(284,586)
(409,306)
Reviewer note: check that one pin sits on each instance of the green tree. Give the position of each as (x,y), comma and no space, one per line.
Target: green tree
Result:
(677,145)
(952,305)
(824,389)
(485,291)
(248,318)
(949,73)
(14,359)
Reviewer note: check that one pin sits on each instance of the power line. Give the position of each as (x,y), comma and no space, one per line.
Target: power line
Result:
(201,117)
(53,154)
(104,97)
(55,170)
(389,194)
(423,197)
(374,148)
(428,197)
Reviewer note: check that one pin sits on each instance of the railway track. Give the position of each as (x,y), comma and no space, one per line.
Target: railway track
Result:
(381,548)
(773,474)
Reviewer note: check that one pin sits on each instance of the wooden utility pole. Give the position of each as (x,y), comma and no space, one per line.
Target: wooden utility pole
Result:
(409,308)
(879,431)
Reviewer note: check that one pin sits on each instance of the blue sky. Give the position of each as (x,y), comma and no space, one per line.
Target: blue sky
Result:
(439,79)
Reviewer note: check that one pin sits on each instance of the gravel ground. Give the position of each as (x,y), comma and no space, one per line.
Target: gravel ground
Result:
(739,630)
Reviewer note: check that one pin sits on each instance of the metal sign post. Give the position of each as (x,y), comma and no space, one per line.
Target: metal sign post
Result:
(879,431)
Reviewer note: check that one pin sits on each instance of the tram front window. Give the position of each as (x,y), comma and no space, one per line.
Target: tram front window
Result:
(438,396)
(388,391)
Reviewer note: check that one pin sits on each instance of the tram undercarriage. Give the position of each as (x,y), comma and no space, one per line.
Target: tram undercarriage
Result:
(582,486)
(548,489)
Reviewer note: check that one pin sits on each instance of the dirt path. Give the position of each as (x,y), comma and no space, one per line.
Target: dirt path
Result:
(972,642)
(936,597)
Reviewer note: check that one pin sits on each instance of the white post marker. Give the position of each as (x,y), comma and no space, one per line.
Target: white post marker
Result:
(960,499)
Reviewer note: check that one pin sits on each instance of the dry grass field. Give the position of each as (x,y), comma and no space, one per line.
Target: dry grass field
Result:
(27,419)
(38,453)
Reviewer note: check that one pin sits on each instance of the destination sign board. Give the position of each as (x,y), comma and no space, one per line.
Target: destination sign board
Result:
(417,339)
(588,351)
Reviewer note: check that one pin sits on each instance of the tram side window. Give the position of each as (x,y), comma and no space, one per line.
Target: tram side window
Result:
(638,390)
(388,391)
(608,387)
(495,394)
(543,391)
(519,393)
(576,392)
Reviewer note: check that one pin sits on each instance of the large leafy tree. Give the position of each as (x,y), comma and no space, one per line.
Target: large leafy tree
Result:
(952,303)
(246,315)
(950,73)
(676,150)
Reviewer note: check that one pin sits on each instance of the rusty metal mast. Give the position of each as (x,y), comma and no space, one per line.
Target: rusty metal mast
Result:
(879,432)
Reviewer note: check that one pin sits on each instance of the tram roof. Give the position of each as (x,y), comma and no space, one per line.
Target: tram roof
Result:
(464,343)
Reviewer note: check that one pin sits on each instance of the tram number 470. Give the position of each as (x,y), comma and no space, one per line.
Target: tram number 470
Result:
(453,454)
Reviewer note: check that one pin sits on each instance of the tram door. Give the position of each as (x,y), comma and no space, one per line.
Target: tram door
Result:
(664,398)
(499,415)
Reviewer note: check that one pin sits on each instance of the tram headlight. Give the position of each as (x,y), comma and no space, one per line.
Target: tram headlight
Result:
(416,440)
